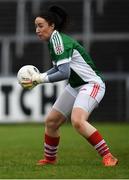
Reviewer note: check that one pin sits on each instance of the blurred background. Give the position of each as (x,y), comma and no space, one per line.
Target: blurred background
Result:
(102,26)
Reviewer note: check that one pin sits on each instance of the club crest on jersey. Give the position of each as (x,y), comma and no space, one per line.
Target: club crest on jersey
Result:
(57,43)
(58,49)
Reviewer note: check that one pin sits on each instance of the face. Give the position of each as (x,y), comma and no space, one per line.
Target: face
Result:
(43,29)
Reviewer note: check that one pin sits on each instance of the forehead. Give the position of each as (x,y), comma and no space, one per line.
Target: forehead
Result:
(40,20)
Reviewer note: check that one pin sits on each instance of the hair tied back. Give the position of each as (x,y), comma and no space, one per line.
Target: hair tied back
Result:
(60,16)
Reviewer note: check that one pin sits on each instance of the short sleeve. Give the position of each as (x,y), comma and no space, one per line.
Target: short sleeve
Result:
(61,49)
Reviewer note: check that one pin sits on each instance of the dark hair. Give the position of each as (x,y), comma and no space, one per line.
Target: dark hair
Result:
(55,15)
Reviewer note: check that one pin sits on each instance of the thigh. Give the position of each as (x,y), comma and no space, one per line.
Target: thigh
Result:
(65,101)
(85,102)
(89,96)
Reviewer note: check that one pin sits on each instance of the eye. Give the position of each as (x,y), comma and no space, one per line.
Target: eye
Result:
(40,26)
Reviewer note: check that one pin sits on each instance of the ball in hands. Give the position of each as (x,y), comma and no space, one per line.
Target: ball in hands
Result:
(24,76)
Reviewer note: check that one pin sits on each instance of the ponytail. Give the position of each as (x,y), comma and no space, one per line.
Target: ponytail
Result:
(55,15)
(60,17)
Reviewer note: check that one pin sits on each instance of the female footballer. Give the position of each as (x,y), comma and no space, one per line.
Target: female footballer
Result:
(82,94)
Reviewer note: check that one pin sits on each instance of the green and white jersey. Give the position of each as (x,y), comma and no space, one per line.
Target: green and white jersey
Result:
(63,49)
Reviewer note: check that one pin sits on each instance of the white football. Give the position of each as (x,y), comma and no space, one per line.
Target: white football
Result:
(25,73)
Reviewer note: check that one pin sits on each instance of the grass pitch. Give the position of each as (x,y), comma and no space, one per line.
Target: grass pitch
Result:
(21,147)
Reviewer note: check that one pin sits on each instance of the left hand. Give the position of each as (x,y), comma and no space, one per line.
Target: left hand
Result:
(36,78)
(29,84)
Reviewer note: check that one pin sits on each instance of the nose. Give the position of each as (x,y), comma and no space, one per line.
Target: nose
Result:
(37,30)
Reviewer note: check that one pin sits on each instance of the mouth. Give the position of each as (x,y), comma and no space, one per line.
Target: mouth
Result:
(39,36)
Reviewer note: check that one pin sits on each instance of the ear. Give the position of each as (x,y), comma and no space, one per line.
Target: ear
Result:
(53,25)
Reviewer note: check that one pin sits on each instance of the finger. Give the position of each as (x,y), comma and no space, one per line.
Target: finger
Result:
(26,85)
(27,82)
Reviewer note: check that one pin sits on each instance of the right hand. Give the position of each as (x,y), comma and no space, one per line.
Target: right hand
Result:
(39,78)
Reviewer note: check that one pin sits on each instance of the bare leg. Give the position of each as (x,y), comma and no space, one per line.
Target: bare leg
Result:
(54,120)
(51,140)
(79,121)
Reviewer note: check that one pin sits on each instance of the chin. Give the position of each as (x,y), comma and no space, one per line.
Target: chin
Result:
(43,39)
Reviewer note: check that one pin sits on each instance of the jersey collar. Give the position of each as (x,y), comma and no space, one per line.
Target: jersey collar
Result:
(54,32)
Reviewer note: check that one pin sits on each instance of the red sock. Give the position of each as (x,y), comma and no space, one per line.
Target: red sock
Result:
(51,147)
(99,143)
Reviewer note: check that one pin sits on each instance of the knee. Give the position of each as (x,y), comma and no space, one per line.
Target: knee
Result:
(79,118)
(76,122)
(51,123)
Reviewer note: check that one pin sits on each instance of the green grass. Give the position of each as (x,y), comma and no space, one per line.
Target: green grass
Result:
(21,147)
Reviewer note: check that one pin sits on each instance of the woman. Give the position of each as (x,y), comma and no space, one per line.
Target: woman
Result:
(80,97)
